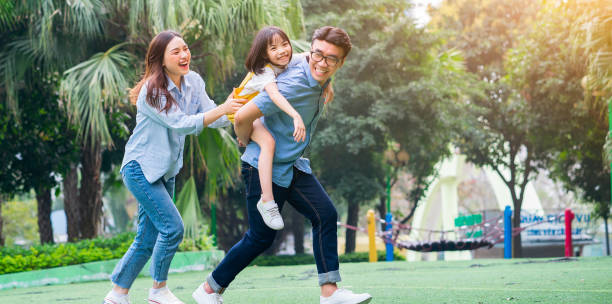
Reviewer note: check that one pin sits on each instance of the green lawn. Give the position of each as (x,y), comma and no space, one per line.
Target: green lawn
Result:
(584,280)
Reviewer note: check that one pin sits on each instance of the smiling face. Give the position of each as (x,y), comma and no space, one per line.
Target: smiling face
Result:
(177,58)
(321,71)
(279,51)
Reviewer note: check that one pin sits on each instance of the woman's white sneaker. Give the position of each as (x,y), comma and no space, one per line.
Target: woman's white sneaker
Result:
(202,297)
(162,296)
(115,298)
(345,296)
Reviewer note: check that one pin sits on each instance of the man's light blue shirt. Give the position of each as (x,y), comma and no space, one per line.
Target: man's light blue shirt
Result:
(158,139)
(304,93)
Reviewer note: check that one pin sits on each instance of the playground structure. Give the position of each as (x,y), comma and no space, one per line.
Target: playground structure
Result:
(474,238)
(439,231)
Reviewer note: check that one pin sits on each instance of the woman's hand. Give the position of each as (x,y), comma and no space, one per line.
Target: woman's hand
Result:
(299,130)
(232,105)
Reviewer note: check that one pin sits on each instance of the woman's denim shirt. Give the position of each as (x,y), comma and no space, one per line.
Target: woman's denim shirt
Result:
(158,139)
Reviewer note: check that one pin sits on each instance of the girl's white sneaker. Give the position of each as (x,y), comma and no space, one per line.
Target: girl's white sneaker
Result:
(270,214)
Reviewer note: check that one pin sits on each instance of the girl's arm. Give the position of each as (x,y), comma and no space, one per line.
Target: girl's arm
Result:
(299,131)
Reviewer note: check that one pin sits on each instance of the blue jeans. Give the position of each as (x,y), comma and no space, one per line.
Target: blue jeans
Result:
(160,228)
(309,198)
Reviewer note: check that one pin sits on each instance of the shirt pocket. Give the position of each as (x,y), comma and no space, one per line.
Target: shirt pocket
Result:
(193,106)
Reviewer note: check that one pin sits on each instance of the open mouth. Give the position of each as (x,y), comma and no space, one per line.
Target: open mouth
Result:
(320,70)
(184,64)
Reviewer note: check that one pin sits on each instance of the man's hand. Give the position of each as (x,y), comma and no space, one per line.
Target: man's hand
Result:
(299,130)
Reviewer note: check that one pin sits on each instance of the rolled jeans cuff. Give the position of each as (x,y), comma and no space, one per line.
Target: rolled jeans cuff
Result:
(329,277)
(214,285)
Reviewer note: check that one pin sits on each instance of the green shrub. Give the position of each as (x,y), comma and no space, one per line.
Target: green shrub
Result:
(17,259)
(302,259)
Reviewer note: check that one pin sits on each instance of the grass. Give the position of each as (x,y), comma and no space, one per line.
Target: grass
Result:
(583,280)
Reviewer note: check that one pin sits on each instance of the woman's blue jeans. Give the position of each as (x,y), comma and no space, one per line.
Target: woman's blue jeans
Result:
(309,198)
(160,228)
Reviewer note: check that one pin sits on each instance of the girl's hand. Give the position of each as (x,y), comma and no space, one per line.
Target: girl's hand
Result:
(299,130)
(329,94)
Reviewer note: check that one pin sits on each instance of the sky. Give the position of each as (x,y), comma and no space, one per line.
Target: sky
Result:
(420,10)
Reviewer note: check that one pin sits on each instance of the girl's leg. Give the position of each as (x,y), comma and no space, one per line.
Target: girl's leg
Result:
(267,207)
(267,145)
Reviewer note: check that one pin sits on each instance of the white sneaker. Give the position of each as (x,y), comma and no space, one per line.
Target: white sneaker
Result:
(202,297)
(345,296)
(113,298)
(163,296)
(271,216)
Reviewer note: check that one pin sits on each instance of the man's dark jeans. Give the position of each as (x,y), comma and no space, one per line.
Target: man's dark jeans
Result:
(309,198)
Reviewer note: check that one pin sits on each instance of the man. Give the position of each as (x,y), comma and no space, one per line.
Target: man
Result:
(302,84)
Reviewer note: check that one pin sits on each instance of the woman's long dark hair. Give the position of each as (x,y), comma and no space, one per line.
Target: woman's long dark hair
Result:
(154,75)
(258,55)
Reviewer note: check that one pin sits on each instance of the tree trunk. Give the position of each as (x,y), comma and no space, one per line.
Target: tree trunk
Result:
(607,236)
(1,223)
(71,203)
(45,230)
(517,249)
(297,228)
(353,217)
(90,194)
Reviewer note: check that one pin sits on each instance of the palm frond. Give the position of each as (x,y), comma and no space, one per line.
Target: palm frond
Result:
(93,86)
(214,151)
(188,206)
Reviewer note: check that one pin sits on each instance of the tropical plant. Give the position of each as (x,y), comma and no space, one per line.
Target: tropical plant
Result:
(113,36)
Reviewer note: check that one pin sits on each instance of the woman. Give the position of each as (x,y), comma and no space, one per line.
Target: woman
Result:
(171,103)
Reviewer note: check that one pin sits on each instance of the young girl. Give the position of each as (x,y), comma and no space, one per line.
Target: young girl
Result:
(171,103)
(269,56)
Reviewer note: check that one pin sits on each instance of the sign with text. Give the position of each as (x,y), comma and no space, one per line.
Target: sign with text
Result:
(551,227)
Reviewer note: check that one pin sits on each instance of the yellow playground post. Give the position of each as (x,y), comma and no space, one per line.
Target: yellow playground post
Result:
(372,236)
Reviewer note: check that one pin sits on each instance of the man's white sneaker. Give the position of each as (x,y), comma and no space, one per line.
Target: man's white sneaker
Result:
(269,213)
(163,296)
(202,297)
(114,298)
(345,296)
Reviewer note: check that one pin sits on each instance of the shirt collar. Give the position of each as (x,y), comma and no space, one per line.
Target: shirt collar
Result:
(184,84)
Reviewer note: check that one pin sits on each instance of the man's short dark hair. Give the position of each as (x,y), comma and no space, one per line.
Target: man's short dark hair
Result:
(335,36)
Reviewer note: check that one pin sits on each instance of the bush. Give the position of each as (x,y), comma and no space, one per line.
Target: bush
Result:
(302,259)
(17,259)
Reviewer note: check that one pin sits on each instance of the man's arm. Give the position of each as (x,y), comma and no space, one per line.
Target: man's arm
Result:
(243,121)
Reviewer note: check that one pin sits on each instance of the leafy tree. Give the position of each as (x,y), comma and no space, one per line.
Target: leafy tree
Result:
(20,220)
(393,105)
(582,165)
(37,143)
(498,126)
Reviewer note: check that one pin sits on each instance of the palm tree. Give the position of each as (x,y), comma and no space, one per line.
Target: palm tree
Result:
(97,46)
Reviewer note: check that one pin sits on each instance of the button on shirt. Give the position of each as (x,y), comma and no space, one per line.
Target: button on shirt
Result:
(158,139)
(305,95)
